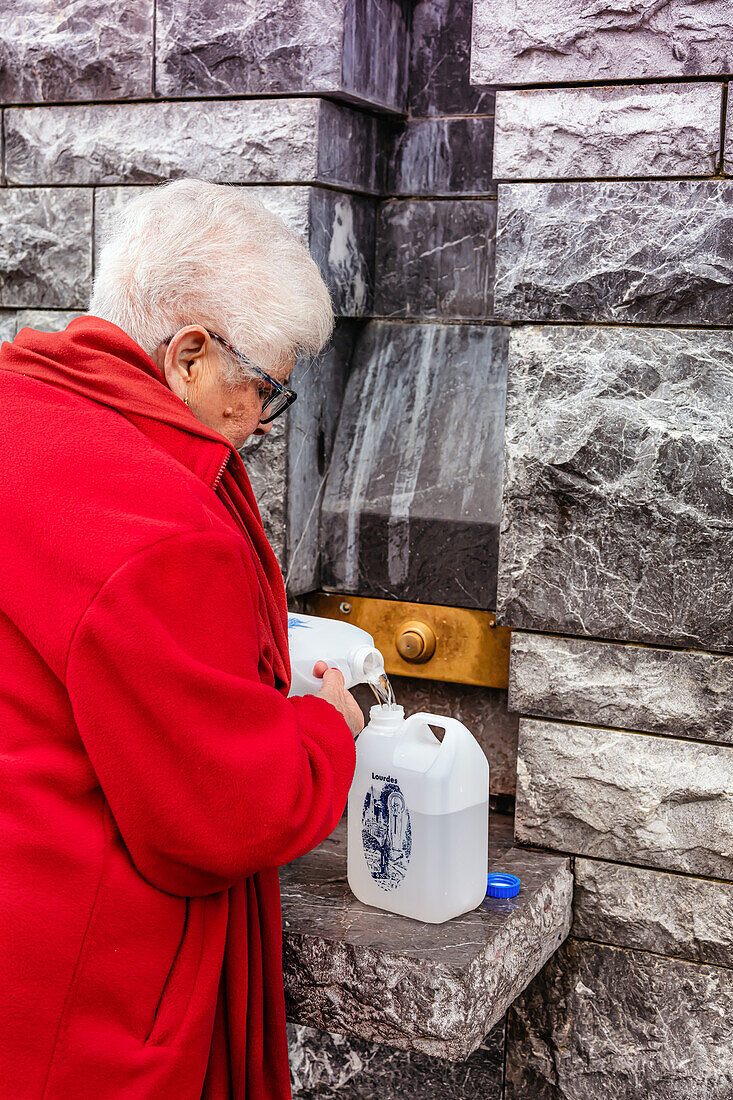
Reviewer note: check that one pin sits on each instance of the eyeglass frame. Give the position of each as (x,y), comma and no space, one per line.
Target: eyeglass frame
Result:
(290,395)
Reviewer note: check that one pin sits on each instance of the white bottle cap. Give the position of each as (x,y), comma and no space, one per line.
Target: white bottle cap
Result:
(366,663)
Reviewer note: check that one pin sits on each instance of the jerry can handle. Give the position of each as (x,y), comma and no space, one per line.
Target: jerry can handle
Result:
(454,731)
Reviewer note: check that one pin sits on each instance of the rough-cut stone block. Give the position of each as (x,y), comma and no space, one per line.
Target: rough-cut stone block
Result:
(482,710)
(728,145)
(617,514)
(622,1025)
(626,796)
(354,48)
(338,227)
(7,324)
(416,466)
(81,49)
(652,130)
(672,691)
(691,918)
(435,259)
(45,247)
(435,989)
(442,156)
(337,1067)
(265,459)
(229,141)
(439,61)
(647,252)
(45,320)
(548,41)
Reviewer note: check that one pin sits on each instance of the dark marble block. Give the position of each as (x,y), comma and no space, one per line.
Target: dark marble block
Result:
(648,252)
(413,492)
(668,691)
(541,41)
(80,49)
(617,516)
(357,49)
(442,156)
(632,797)
(435,258)
(337,1067)
(341,234)
(45,247)
(439,61)
(690,918)
(622,1025)
(227,141)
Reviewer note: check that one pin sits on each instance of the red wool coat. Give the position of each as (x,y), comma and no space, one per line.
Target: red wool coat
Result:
(153,774)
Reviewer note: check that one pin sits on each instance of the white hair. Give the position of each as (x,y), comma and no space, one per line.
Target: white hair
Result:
(192,252)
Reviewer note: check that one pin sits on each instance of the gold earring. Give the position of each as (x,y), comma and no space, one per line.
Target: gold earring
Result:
(185,398)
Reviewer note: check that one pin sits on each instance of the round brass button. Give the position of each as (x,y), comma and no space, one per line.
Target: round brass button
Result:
(415,641)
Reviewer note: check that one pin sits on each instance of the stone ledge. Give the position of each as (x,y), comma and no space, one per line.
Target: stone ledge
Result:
(437,989)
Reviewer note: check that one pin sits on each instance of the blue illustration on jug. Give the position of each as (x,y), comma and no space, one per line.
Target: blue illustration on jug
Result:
(385,832)
(294,621)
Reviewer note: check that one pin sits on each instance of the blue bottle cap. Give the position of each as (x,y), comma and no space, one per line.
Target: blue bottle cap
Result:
(500,885)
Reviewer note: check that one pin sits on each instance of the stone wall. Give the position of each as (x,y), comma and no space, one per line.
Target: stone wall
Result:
(583,302)
(614,268)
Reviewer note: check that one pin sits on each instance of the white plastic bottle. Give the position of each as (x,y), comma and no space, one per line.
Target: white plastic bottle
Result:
(418,817)
(340,645)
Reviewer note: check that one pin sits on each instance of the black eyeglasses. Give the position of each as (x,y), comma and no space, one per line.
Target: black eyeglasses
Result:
(277,398)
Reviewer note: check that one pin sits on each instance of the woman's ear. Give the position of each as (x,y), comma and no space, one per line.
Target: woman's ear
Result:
(185,359)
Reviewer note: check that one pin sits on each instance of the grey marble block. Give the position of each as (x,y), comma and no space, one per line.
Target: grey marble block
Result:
(436,258)
(228,141)
(287,466)
(434,989)
(81,49)
(439,61)
(45,247)
(668,691)
(442,156)
(632,797)
(617,517)
(690,918)
(646,252)
(623,1025)
(651,130)
(416,466)
(327,1067)
(482,710)
(311,426)
(548,41)
(337,226)
(357,49)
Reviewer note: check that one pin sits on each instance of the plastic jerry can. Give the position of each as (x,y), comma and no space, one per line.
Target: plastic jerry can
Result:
(340,645)
(418,817)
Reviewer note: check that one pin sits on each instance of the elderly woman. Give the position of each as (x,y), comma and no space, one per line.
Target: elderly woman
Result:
(154,773)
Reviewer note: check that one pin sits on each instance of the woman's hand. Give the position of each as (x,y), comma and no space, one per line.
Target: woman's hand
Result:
(335,693)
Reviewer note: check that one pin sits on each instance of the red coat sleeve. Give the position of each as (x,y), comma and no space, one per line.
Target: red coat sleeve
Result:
(210,774)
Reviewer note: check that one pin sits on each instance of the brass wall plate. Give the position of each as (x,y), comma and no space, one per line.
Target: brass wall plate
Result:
(469,649)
